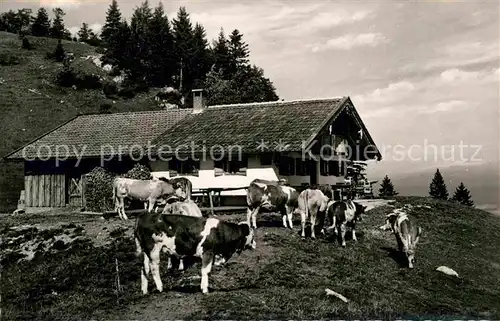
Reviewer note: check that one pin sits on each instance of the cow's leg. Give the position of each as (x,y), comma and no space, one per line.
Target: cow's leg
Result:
(155,266)
(313,223)
(206,266)
(252,217)
(151,204)
(181,265)
(144,274)
(122,209)
(290,211)
(284,215)
(342,233)
(354,238)
(169,262)
(303,223)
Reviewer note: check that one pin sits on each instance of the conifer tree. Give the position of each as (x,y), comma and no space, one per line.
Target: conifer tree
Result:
(238,51)
(161,44)
(112,25)
(183,39)
(140,54)
(221,55)
(387,188)
(84,33)
(41,24)
(462,195)
(437,187)
(58,30)
(200,62)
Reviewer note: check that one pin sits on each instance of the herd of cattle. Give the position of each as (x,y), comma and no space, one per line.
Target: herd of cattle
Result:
(181,231)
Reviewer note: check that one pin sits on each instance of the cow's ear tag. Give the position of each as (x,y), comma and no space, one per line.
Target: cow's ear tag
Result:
(170,227)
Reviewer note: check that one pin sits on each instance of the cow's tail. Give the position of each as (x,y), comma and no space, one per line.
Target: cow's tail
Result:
(138,246)
(115,196)
(306,210)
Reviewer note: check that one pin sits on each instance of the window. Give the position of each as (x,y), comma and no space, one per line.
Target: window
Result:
(332,168)
(231,166)
(302,167)
(185,167)
(287,166)
(266,159)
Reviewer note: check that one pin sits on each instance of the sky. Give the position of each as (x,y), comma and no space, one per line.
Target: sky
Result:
(424,75)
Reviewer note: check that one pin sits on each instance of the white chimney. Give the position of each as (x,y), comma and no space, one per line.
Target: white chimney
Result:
(199,101)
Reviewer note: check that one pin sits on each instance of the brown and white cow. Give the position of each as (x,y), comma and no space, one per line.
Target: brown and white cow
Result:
(407,233)
(312,204)
(271,196)
(187,236)
(188,208)
(183,182)
(147,191)
(343,214)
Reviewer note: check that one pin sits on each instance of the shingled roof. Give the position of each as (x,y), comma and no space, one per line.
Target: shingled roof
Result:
(282,126)
(89,133)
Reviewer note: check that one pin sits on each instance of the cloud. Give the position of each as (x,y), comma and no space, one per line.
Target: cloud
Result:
(95,27)
(456,75)
(350,41)
(60,3)
(447,106)
(393,92)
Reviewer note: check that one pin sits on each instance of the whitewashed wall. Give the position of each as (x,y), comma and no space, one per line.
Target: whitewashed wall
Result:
(208,179)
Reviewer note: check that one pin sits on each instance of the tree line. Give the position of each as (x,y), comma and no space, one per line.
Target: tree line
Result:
(437,190)
(152,50)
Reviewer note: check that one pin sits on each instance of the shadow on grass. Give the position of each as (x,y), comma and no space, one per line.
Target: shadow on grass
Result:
(397,256)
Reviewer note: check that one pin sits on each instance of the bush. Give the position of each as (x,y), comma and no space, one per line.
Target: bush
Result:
(110,89)
(8,59)
(139,172)
(67,77)
(26,44)
(99,191)
(58,54)
(105,108)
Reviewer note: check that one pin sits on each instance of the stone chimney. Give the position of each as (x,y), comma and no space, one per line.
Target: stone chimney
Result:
(199,101)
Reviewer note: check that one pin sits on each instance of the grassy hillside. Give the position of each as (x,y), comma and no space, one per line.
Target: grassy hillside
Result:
(31,104)
(284,278)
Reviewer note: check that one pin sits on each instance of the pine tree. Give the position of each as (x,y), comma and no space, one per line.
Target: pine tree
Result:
(58,30)
(59,52)
(238,51)
(221,55)
(437,187)
(200,62)
(140,55)
(387,188)
(183,39)
(462,195)
(161,42)
(84,33)
(112,25)
(41,24)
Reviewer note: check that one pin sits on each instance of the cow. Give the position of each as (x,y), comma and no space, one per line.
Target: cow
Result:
(185,184)
(270,196)
(188,208)
(187,236)
(407,234)
(342,214)
(147,191)
(312,204)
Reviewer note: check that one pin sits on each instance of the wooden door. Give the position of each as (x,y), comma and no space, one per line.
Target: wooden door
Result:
(45,190)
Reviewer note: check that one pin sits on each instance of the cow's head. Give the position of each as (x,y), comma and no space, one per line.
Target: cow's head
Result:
(180,190)
(249,233)
(390,222)
(360,209)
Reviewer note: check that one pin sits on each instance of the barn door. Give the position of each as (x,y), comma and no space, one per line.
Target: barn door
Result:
(45,190)
(76,191)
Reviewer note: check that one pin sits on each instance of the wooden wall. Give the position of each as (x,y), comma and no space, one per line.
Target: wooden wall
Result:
(45,190)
